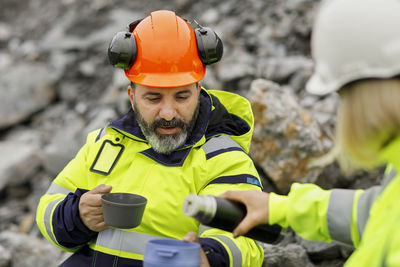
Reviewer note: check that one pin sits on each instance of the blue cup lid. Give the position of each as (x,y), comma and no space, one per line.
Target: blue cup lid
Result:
(172,252)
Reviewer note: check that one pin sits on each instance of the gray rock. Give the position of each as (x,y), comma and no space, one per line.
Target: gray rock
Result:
(237,64)
(5,60)
(330,263)
(67,35)
(282,69)
(5,257)
(29,251)
(291,255)
(100,118)
(318,251)
(64,143)
(116,95)
(325,109)
(25,88)
(19,162)
(5,32)
(286,137)
(210,16)
(11,213)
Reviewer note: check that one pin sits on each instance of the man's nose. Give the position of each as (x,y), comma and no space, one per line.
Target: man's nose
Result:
(168,111)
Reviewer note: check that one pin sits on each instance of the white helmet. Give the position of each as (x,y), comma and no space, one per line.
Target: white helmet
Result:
(352,40)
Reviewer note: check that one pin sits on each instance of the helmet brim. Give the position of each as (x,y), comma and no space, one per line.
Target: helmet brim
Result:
(316,86)
(166,79)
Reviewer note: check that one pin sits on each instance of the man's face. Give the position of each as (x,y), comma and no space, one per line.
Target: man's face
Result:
(166,116)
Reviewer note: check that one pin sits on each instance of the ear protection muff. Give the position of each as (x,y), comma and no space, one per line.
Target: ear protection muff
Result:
(123,48)
(209,45)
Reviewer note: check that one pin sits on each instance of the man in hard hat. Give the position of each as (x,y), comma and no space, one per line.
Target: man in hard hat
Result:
(177,139)
(356,48)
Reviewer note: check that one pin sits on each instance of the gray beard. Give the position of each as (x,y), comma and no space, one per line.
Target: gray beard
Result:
(166,143)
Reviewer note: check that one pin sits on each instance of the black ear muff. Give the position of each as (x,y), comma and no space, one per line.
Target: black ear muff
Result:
(122,50)
(209,45)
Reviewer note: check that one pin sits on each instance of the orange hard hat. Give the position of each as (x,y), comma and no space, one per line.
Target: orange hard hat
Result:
(167,54)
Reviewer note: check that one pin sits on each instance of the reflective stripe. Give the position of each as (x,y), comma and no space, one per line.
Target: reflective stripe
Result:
(220,144)
(126,241)
(101,133)
(340,210)
(56,189)
(47,219)
(235,252)
(203,228)
(388,178)
(367,198)
(364,204)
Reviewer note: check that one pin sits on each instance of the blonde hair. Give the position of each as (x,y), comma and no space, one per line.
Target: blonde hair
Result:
(368,119)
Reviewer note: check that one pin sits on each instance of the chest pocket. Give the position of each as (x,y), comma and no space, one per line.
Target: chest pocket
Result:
(107,157)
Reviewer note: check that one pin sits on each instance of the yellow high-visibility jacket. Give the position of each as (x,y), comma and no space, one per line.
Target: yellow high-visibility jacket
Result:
(368,220)
(215,159)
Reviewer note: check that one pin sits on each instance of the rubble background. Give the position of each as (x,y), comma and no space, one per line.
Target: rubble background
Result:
(56,86)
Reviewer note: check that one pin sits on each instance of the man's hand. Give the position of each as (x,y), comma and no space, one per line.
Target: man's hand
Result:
(91,210)
(192,237)
(256,203)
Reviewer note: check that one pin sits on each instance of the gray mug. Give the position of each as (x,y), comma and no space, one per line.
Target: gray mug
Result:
(123,210)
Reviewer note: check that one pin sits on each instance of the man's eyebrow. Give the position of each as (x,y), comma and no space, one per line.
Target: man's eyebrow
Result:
(151,94)
(186,91)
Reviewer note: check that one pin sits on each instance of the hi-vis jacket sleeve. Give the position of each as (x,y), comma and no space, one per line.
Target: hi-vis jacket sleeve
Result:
(229,169)
(338,215)
(57,214)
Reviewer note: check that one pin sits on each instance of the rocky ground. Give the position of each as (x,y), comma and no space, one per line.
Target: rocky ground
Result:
(56,86)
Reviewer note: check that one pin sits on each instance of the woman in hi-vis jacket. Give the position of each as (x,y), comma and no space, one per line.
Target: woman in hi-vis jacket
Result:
(356,49)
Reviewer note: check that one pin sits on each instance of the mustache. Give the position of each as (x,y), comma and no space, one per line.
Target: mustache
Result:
(168,124)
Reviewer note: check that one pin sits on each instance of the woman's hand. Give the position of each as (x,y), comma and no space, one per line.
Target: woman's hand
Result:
(256,203)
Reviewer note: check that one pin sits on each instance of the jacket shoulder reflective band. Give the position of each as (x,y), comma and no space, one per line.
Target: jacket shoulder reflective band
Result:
(338,215)
(241,107)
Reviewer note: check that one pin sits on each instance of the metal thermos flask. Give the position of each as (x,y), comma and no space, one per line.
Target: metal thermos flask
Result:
(226,215)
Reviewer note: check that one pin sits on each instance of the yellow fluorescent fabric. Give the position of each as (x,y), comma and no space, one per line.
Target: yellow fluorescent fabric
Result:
(123,165)
(380,244)
(305,209)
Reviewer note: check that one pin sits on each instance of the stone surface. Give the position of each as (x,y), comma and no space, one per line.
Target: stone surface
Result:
(25,89)
(320,251)
(19,162)
(286,137)
(29,251)
(5,257)
(291,255)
